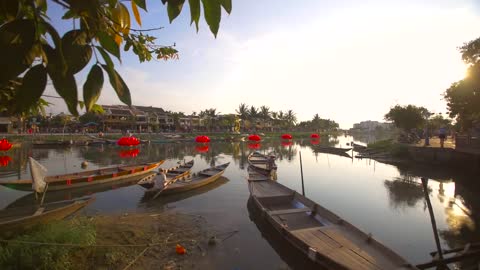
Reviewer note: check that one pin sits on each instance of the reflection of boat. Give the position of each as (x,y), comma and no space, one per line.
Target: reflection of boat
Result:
(262,163)
(87,178)
(196,180)
(21,218)
(171,175)
(318,233)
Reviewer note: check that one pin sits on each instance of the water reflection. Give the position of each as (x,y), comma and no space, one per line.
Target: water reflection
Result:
(404,192)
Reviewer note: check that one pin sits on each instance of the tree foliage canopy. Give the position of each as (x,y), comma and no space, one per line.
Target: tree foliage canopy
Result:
(407,117)
(31,46)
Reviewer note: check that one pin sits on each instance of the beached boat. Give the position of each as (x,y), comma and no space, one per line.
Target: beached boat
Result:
(21,218)
(193,181)
(87,178)
(318,233)
(330,149)
(171,175)
(262,163)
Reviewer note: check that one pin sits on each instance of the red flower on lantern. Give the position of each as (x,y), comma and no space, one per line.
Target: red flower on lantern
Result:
(315,141)
(202,139)
(129,153)
(254,137)
(4,160)
(254,146)
(287,143)
(287,136)
(128,141)
(202,148)
(5,145)
(314,136)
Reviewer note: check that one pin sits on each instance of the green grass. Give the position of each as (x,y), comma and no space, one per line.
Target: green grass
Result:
(27,256)
(391,147)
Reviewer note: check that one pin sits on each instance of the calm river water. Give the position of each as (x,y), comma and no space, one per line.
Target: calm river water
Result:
(384,200)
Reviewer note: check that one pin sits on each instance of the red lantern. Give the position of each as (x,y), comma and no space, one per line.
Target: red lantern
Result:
(128,141)
(286,143)
(202,148)
(254,137)
(314,136)
(4,160)
(129,153)
(287,136)
(5,145)
(254,146)
(315,141)
(202,139)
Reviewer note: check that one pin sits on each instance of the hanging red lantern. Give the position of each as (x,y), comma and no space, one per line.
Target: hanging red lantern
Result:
(287,136)
(4,160)
(254,137)
(254,146)
(286,143)
(202,148)
(315,141)
(202,139)
(314,136)
(5,145)
(129,153)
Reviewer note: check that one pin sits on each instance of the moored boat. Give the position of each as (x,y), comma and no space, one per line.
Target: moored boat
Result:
(87,178)
(193,181)
(51,144)
(322,236)
(171,175)
(21,218)
(262,163)
(330,149)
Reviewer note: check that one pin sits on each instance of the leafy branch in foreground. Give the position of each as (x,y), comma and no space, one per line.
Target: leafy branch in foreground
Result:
(32,48)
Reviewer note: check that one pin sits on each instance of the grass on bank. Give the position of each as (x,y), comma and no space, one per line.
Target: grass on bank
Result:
(390,147)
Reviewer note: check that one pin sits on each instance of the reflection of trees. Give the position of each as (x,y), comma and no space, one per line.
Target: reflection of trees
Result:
(404,191)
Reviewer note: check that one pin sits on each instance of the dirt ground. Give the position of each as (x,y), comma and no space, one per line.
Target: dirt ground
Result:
(163,231)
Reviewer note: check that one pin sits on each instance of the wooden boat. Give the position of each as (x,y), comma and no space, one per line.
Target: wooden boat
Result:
(87,178)
(329,149)
(21,218)
(358,147)
(196,180)
(171,175)
(262,163)
(318,233)
(51,144)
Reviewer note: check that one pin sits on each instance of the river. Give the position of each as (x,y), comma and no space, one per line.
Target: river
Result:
(384,200)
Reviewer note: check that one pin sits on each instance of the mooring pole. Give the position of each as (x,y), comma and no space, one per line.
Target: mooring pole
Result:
(432,218)
(301,173)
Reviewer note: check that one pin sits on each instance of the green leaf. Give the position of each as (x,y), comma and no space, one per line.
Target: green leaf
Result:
(109,44)
(41,4)
(227,5)
(118,85)
(33,85)
(75,50)
(17,38)
(213,14)
(174,8)
(105,56)
(194,12)
(69,14)
(141,4)
(8,9)
(93,86)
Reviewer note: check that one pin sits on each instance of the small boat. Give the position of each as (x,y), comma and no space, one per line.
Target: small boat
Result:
(87,178)
(322,236)
(358,147)
(262,163)
(171,175)
(193,181)
(51,144)
(21,218)
(329,149)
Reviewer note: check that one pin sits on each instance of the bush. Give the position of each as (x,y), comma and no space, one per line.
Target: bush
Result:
(29,256)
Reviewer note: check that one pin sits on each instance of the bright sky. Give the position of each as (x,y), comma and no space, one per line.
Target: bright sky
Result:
(347,60)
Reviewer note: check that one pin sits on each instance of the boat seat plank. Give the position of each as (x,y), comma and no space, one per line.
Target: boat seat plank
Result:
(267,189)
(39,211)
(289,211)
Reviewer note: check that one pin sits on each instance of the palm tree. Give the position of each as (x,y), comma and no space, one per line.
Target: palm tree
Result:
(242,112)
(291,118)
(265,114)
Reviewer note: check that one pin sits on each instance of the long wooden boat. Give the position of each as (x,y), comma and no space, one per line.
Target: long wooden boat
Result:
(322,236)
(262,163)
(87,178)
(330,149)
(171,175)
(194,181)
(51,144)
(21,218)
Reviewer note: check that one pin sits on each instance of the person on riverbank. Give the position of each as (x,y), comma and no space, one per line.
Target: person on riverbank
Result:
(442,134)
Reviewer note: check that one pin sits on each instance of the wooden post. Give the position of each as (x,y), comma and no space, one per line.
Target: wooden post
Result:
(301,173)
(434,224)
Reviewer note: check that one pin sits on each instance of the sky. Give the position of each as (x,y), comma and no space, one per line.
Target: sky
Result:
(347,60)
